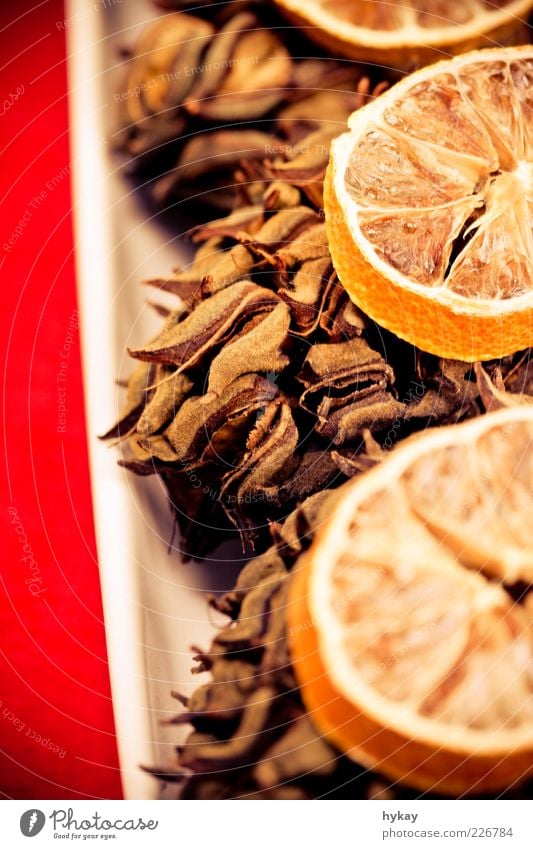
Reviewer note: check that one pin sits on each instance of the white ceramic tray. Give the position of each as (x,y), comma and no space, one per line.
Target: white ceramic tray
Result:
(154,607)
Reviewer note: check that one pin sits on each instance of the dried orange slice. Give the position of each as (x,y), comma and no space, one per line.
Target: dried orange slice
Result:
(429,206)
(407,33)
(411,648)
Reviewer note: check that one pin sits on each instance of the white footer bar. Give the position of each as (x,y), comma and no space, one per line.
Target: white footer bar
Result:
(254,825)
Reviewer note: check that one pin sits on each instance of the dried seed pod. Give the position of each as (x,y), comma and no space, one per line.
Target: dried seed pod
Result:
(168,396)
(205,168)
(443,392)
(314,74)
(354,386)
(152,447)
(280,195)
(197,425)
(158,78)
(253,621)
(352,463)
(341,373)
(246,69)
(186,342)
(493,393)
(340,319)
(321,102)
(186,282)
(294,536)
(267,566)
(316,471)
(306,163)
(365,456)
(284,227)
(310,756)
(254,723)
(306,293)
(517,372)
(245,219)
(269,459)
(136,400)
(258,348)
(311,244)
(231,268)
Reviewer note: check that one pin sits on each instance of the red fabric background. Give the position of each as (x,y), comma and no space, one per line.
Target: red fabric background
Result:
(54,685)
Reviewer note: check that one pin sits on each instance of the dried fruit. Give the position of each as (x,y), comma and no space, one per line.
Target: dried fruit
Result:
(159,76)
(204,172)
(253,688)
(248,69)
(428,206)
(409,645)
(411,33)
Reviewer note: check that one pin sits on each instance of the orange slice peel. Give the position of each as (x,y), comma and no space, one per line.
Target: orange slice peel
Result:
(429,206)
(410,647)
(407,33)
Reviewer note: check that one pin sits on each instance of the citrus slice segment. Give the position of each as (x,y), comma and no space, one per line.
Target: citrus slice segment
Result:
(429,200)
(522,73)
(418,242)
(408,32)
(410,646)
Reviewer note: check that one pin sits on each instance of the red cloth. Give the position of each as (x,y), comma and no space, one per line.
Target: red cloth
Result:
(56,723)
